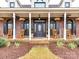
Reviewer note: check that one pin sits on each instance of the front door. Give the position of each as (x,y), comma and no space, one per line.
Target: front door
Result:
(39,29)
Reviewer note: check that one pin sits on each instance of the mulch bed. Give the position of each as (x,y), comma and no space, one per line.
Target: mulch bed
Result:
(13,52)
(64,52)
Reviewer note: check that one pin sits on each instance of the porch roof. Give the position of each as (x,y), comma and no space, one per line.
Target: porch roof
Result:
(39,10)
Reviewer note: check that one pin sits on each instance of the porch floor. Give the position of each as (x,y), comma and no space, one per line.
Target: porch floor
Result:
(40,39)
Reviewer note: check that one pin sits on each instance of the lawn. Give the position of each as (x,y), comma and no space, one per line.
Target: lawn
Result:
(39,52)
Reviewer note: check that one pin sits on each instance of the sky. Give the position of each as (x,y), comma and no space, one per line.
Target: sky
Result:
(75,3)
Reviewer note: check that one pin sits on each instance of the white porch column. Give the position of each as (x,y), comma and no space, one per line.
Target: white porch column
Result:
(49,26)
(65,26)
(14,32)
(29,26)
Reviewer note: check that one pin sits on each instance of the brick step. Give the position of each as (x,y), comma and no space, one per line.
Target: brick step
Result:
(39,42)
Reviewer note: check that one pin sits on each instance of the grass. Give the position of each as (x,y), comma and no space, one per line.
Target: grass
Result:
(40,52)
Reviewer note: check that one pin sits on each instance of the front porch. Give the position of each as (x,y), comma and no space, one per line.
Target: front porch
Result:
(39,25)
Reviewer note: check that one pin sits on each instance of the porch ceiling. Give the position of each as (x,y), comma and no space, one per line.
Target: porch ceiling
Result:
(5,15)
(22,14)
(40,14)
(57,14)
(73,15)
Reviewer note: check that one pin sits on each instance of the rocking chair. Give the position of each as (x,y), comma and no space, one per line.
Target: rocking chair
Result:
(54,33)
(9,33)
(69,34)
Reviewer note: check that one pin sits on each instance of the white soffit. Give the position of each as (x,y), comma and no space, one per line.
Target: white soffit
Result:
(22,15)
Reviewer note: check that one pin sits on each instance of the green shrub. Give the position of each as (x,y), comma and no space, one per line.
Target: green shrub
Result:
(8,44)
(60,43)
(3,42)
(77,42)
(72,45)
(17,43)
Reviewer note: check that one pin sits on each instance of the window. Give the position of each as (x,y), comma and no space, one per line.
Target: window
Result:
(69,25)
(53,25)
(12,4)
(8,25)
(39,4)
(25,26)
(67,4)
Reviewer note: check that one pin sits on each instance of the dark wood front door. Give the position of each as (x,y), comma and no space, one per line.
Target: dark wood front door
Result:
(39,29)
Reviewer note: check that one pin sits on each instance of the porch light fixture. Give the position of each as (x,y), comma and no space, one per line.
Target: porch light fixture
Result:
(57,18)
(22,19)
(77,18)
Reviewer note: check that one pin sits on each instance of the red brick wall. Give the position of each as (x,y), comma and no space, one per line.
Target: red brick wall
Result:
(61,28)
(1,27)
(18,27)
(77,28)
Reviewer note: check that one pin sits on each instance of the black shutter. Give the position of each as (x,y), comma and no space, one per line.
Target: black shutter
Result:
(74,27)
(23,25)
(57,26)
(5,28)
